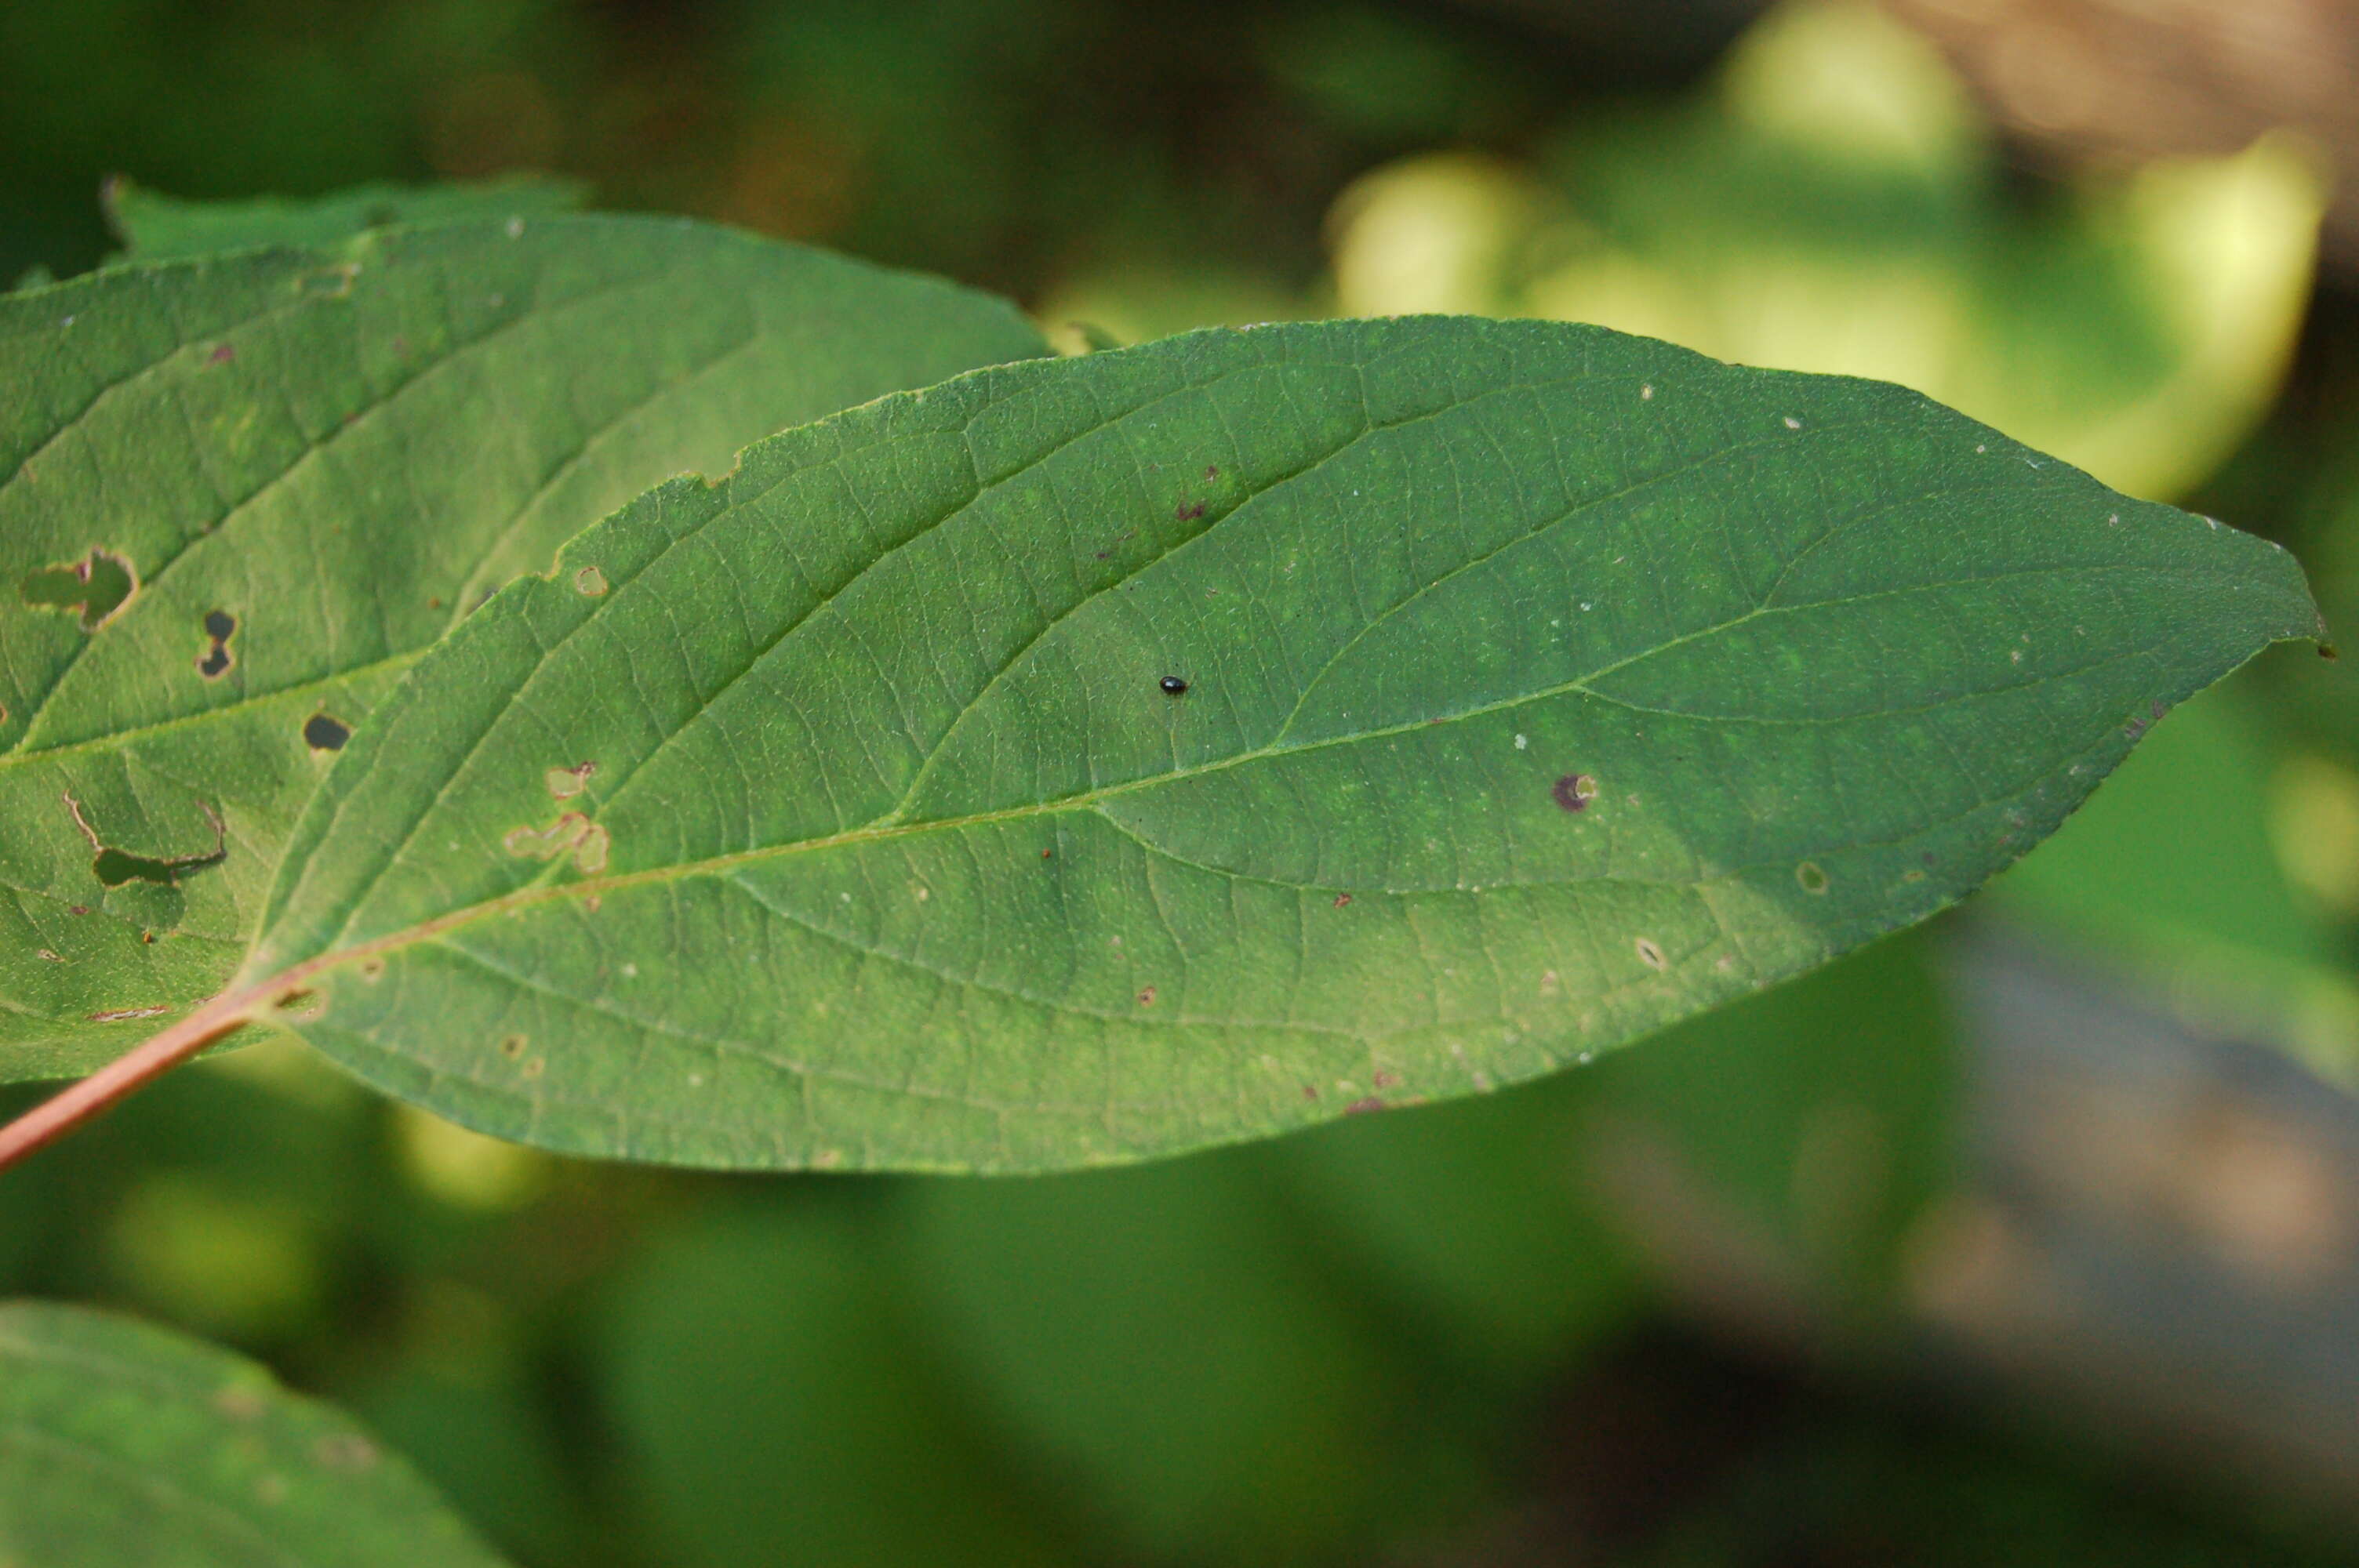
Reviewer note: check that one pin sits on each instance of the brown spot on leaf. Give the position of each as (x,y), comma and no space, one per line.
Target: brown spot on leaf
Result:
(345,1451)
(1341,899)
(1189,512)
(1650,954)
(326,732)
(513,1046)
(572,833)
(220,355)
(1363,1107)
(1574,791)
(1146,996)
(120,1013)
(303,1005)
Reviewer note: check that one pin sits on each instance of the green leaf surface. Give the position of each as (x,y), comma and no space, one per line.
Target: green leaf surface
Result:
(1544,687)
(239,496)
(124,1444)
(157,227)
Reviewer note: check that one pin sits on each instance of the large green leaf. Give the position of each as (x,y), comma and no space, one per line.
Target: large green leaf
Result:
(332,456)
(122,1444)
(157,227)
(1544,687)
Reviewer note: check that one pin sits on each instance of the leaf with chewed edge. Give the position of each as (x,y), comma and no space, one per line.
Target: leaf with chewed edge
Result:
(120,1443)
(238,496)
(1093,759)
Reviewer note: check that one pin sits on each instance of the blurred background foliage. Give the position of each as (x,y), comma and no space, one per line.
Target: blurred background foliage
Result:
(2030,1238)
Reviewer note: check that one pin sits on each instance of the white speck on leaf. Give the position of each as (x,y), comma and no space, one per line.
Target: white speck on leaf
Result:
(1522,741)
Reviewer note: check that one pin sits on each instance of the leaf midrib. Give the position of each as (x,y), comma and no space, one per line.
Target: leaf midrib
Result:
(1084,800)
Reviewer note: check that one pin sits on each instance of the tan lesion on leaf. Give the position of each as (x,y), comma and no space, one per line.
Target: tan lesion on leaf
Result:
(303,1005)
(122,1015)
(564,784)
(571,834)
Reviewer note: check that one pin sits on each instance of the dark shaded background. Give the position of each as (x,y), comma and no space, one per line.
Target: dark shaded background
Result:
(2033,1238)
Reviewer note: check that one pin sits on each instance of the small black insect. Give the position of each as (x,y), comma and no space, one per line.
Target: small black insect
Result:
(1173,685)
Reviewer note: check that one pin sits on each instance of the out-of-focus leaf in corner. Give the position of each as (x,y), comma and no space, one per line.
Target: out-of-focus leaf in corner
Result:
(122,1444)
